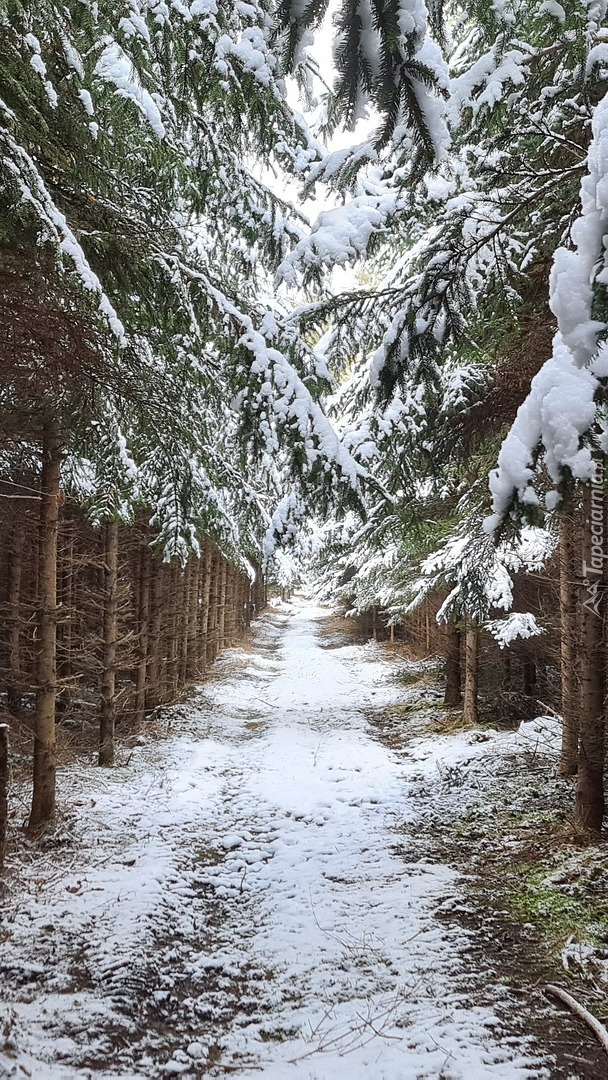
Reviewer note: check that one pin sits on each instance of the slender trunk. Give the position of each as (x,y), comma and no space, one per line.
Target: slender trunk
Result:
(66,601)
(453,689)
(567,601)
(222,606)
(153,690)
(14,617)
(214,576)
(231,586)
(107,714)
(194,604)
(506,678)
(427,628)
(183,622)
(471,679)
(590,781)
(176,579)
(141,679)
(45,751)
(529,676)
(205,604)
(4,733)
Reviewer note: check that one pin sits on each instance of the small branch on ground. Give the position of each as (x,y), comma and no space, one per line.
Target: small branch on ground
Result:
(598,1029)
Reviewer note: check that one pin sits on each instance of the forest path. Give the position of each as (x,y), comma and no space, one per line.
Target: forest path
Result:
(251,895)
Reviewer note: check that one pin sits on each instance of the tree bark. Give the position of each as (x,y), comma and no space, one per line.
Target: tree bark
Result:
(590,779)
(141,679)
(45,751)
(470,705)
(213,615)
(107,714)
(529,676)
(176,583)
(153,690)
(453,688)
(4,749)
(205,604)
(194,603)
(568,652)
(183,621)
(222,605)
(14,616)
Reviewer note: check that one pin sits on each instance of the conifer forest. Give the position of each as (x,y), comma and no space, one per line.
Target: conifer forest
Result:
(303,539)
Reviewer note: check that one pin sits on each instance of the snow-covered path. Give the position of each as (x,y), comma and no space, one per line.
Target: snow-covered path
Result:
(236,898)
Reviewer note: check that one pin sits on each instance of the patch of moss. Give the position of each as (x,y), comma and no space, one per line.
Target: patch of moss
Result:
(557,914)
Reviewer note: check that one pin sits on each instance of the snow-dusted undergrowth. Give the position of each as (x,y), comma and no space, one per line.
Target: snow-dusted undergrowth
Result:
(235,897)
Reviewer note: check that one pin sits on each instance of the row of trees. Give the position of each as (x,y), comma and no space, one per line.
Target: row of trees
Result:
(101,629)
(152,372)
(155,398)
(481,319)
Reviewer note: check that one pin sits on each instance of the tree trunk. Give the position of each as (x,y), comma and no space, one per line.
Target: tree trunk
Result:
(506,678)
(453,689)
(205,604)
(153,690)
(183,622)
(45,751)
(212,635)
(568,657)
(230,616)
(176,585)
(14,616)
(107,715)
(4,732)
(529,676)
(471,679)
(222,606)
(194,603)
(590,783)
(65,590)
(141,678)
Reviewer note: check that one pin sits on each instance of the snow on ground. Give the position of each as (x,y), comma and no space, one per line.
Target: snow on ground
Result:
(233,898)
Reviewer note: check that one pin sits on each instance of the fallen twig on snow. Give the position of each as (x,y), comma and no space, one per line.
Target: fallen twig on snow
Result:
(598,1029)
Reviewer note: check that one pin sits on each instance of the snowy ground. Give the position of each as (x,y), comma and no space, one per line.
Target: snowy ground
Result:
(250,896)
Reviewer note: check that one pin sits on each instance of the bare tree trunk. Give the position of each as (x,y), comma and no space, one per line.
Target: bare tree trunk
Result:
(590,782)
(205,604)
(176,580)
(45,749)
(453,689)
(213,617)
(506,679)
(141,678)
(230,606)
(107,714)
(65,591)
(153,691)
(14,615)
(222,606)
(183,621)
(567,602)
(192,622)
(471,680)
(529,676)
(4,733)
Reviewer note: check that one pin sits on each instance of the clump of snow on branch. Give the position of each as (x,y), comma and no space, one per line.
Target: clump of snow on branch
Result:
(560,408)
(514,626)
